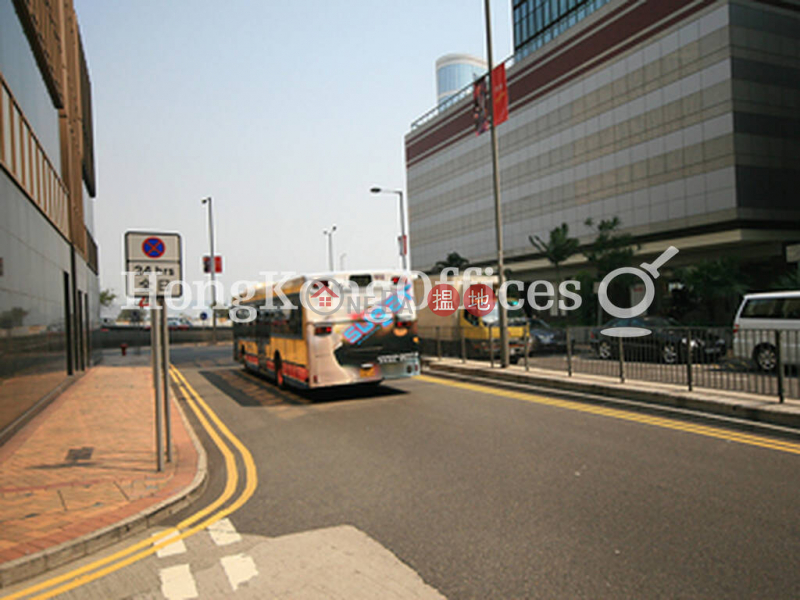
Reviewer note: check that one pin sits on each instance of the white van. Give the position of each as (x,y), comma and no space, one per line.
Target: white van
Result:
(757,320)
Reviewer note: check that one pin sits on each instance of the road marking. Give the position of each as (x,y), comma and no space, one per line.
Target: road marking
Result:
(714,432)
(84,575)
(177,583)
(239,568)
(223,533)
(177,547)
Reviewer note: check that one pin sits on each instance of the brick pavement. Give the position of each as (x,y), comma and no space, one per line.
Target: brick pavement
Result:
(87,462)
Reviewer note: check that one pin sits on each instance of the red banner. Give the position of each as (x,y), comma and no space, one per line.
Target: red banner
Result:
(480,111)
(499,94)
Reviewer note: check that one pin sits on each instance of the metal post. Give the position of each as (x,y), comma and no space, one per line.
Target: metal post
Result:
(439,343)
(212,268)
(621,361)
(779,356)
(504,356)
(165,376)
(689,358)
(527,348)
(569,353)
(404,240)
(155,326)
(463,346)
(491,347)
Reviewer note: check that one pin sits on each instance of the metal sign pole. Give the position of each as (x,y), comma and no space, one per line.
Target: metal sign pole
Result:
(155,325)
(165,368)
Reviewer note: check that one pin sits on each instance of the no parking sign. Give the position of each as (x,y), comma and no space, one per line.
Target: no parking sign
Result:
(153,259)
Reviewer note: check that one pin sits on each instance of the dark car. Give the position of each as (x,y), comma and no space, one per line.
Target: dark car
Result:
(668,342)
(545,338)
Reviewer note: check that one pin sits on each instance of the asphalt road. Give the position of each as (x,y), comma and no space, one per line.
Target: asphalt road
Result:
(423,488)
(492,497)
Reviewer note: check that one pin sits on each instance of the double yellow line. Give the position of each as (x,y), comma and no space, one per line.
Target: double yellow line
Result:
(714,432)
(186,528)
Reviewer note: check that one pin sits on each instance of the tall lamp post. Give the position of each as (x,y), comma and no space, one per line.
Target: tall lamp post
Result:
(212,269)
(404,237)
(504,356)
(329,233)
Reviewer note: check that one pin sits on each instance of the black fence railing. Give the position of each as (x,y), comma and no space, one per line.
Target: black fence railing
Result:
(751,361)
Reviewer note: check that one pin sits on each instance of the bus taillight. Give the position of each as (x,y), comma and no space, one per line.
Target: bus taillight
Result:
(405,324)
(323,330)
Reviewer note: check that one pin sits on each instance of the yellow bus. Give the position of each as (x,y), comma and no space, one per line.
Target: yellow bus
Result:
(340,329)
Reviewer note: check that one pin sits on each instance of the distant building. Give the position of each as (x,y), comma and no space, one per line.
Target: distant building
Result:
(48,258)
(453,73)
(679,118)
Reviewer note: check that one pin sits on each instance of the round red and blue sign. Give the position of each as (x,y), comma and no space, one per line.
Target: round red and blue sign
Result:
(153,247)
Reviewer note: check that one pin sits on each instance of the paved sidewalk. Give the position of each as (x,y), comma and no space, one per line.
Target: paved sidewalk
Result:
(83,473)
(750,407)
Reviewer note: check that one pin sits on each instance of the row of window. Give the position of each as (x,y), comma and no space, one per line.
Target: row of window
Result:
(536,22)
(23,157)
(274,321)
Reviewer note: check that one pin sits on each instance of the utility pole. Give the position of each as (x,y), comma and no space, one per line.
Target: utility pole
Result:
(504,357)
(212,269)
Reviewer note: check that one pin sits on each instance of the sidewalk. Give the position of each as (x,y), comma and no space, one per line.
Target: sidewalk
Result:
(82,474)
(750,407)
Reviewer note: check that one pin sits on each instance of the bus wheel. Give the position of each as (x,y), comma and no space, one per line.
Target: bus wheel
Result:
(279,371)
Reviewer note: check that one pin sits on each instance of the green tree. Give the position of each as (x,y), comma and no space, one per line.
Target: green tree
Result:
(610,249)
(789,281)
(558,248)
(12,318)
(454,259)
(716,286)
(107,297)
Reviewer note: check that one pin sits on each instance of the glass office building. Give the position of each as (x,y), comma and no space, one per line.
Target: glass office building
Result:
(454,72)
(537,22)
(678,118)
(48,258)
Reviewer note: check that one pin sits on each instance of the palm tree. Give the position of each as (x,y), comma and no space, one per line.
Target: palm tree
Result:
(454,259)
(558,249)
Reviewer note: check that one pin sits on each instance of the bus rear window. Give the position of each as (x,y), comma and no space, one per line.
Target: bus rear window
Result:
(763,308)
(362,281)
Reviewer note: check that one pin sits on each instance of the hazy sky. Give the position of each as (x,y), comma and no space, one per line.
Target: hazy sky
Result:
(285,112)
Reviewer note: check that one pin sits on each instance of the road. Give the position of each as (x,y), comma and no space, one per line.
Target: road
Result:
(426,487)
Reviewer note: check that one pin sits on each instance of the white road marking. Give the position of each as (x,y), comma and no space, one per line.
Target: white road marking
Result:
(176,547)
(223,533)
(177,583)
(239,568)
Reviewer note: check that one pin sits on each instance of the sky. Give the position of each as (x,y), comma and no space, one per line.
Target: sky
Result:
(286,113)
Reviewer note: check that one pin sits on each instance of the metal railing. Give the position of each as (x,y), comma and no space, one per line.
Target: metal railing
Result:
(753,361)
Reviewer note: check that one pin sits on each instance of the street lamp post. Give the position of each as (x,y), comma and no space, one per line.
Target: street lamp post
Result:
(212,269)
(329,233)
(342,256)
(404,237)
(504,356)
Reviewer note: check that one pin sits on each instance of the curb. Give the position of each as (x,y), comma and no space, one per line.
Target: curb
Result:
(26,567)
(744,409)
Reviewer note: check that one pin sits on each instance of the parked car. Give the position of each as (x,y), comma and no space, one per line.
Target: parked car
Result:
(545,338)
(178,323)
(668,343)
(755,325)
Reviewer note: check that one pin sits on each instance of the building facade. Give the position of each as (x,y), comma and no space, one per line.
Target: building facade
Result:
(48,258)
(453,73)
(677,117)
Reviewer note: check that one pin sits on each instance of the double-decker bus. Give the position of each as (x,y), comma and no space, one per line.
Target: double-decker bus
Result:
(345,328)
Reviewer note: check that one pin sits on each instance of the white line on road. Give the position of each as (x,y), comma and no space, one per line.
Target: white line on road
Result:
(239,568)
(177,547)
(177,583)
(223,533)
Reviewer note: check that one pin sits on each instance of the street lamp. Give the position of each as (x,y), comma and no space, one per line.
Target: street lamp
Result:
(498,215)
(342,256)
(212,269)
(329,233)
(403,236)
